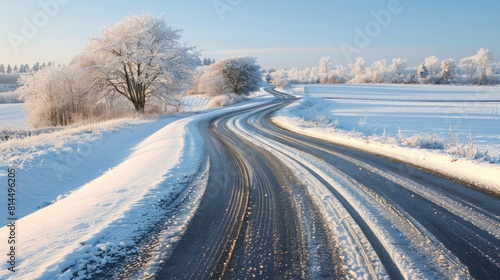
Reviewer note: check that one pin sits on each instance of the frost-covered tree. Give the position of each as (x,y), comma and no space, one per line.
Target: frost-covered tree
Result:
(36,67)
(314,77)
(324,65)
(379,70)
(141,58)
(358,67)
(306,74)
(239,75)
(398,65)
(207,61)
(268,78)
(422,74)
(24,68)
(9,69)
(448,68)
(433,66)
(340,74)
(324,69)
(209,82)
(484,57)
(294,75)
(361,74)
(15,68)
(470,67)
(396,70)
(477,68)
(280,78)
(2,68)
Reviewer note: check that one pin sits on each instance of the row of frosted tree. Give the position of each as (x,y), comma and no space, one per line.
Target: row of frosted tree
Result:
(24,68)
(478,69)
(139,65)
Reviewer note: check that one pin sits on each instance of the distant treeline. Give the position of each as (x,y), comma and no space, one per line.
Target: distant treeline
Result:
(23,68)
(478,69)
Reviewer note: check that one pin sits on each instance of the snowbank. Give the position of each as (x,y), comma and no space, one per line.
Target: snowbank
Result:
(52,163)
(97,222)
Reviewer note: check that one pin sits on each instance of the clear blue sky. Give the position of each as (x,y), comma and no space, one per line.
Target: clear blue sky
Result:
(280,33)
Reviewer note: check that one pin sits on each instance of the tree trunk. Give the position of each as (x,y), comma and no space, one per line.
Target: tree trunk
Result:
(139,107)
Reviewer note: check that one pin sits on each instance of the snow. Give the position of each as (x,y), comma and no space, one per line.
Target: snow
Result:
(113,189)
(193,103)
(12,116)
(55,164)
(200,102)
(370,117)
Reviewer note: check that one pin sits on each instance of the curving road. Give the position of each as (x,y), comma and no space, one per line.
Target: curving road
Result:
(282,205)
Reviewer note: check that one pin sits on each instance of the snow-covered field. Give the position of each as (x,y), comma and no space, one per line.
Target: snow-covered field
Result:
(413,109)
(12,116)
(387,119)
(194,103)
(86,193)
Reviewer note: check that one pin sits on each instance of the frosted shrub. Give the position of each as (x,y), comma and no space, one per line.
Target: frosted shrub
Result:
(425,141)
(59,96)
(487,157)
(52,96)
(321,120)
(457,149)
(224,100)
(401,136)
(219,101)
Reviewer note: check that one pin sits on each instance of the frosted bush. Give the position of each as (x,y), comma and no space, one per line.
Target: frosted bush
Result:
(425,141)
(223,100)
(457,149)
